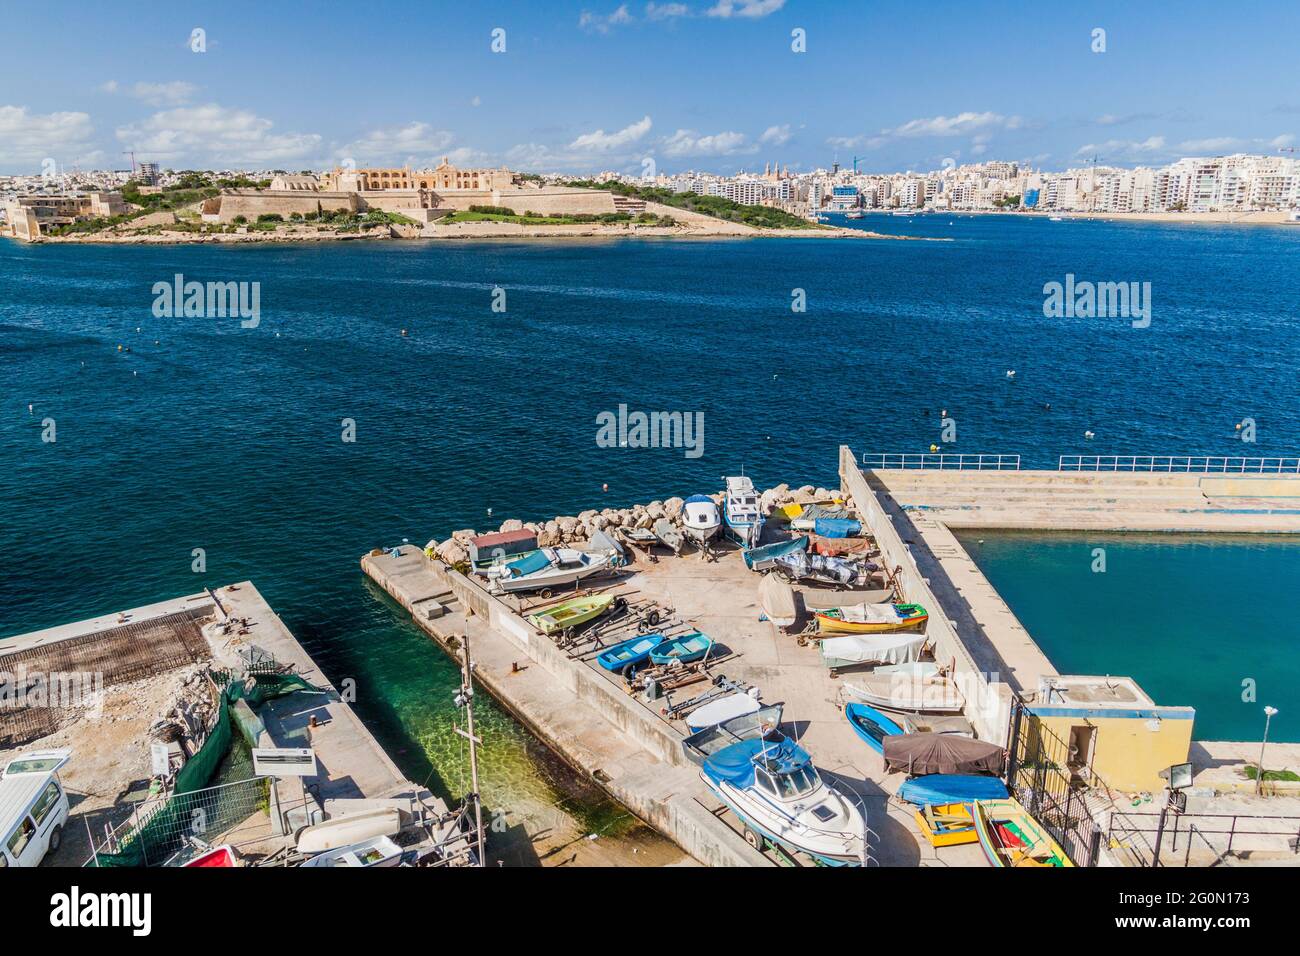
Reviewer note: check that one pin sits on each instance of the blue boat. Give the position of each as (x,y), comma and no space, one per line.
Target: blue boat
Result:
(871,725)
(684,648)
(837,527)
(632,652)
(760,559)
(937,788)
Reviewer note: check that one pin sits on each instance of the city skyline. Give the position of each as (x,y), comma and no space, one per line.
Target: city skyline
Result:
(586,87)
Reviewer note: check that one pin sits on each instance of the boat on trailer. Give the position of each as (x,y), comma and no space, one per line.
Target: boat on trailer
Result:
(741,514)
(683,649)
(870,618)
(871,725)
(572,613)
(630,653)
(853,650)
(550,568)
(770,783)
(701,521)
(764,558)
(918,687)
(378,851)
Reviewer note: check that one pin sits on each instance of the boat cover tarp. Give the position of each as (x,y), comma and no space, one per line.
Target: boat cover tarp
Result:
(537,561)
(920,754)
(938,788)
(871,614)
(823,600)
(735,764)
(777,599)
(874,648)
(837,527)
(836,547)
(759,559)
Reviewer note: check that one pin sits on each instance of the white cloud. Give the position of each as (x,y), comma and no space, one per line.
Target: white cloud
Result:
(26,139)
(1117,150)
(1213,144)
(603,23)
(725,9)
(776,135)
(398,144)
(601,142)
(957,125)
(686,142)
(108,86)
(174,93)
(1286,139)
(666,11)
(215,133)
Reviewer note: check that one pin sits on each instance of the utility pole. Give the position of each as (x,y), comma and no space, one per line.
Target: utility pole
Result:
(466,697)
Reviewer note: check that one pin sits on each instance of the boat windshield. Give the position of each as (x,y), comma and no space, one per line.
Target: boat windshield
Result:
(798,782)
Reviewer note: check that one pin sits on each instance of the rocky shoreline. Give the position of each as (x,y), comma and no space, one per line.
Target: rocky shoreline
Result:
(570,530)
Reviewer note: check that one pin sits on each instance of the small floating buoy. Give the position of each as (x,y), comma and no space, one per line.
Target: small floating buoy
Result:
(1011,373)
(944,413)
(1047,406)
(403,332)
(933,447)
(1087,434)
(29,408)
(604,486)
(1238,426)
(137,328)
(489,512)
(119,348)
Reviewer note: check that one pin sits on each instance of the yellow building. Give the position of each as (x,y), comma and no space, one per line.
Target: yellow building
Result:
(443,178)
(1113,726)
(29,217)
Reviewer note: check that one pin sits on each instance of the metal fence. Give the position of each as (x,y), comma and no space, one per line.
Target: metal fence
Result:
(1184,833)
(1191,464)
(1053,787)
(942,462)
(163,826)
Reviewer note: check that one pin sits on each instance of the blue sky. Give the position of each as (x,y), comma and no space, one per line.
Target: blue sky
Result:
(594,85)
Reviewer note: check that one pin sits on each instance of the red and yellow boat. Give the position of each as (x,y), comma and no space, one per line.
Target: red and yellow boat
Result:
(870,618)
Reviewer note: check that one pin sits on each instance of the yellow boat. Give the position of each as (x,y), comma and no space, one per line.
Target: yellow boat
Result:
(571,613)
(1011,837)
(870,618)
(947,824)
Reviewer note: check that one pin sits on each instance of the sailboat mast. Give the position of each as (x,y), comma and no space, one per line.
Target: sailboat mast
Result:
(468,693)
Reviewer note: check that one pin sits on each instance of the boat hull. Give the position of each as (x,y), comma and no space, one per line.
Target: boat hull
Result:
(877,725)
(947,824)
(764,824)
(1011,838)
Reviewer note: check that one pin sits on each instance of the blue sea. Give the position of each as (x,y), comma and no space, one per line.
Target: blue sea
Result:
(180,433)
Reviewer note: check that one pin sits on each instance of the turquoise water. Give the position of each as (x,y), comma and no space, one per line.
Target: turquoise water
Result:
(200,434)
(1207,621)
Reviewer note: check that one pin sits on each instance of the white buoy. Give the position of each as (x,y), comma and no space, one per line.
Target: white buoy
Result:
(1011,373)
(1087,434)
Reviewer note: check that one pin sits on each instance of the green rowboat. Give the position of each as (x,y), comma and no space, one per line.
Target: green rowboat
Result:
(571,613)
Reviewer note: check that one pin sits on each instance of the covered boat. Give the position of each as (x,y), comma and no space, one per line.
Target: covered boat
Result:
(854,650)
(739,704)
(571,613)
(820,600)
(629,653)
(764,558)
(920,754)
(701,520)
(842,547)
(668,535)
(349,829)
(951,788)
(771,784)
(1010,837)
(683,649)
(777,600)
(829,527)
(741,515)
(918,687)
(549,568)
(870,618)
(871,725)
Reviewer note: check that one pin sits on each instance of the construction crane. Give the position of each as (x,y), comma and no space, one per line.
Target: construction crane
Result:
(1288,149)
(855,164)
(131,153)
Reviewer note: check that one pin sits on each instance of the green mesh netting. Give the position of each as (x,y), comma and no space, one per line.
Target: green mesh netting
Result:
(165,831)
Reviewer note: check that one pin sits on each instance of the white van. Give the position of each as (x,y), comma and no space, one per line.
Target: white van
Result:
(33,807)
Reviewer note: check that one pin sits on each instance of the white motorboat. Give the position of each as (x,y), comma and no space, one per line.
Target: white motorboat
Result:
(377,851)
(723,709)
(916,686)
(741,514)
(700,519)
(549,568)
(771,784)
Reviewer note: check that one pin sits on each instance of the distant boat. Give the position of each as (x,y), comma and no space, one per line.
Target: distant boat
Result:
(683,649)
(629,653)
(571,613)
(742,517)
(1011,837)
(870,618)
(916,686)
(701,521)
(378,851)
(855,214)
(548,569)
(852,650)
(771,784)
(871,725)
(668,535)
(1054,219)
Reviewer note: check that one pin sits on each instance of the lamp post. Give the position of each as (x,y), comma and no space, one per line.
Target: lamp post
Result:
(1259,768)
